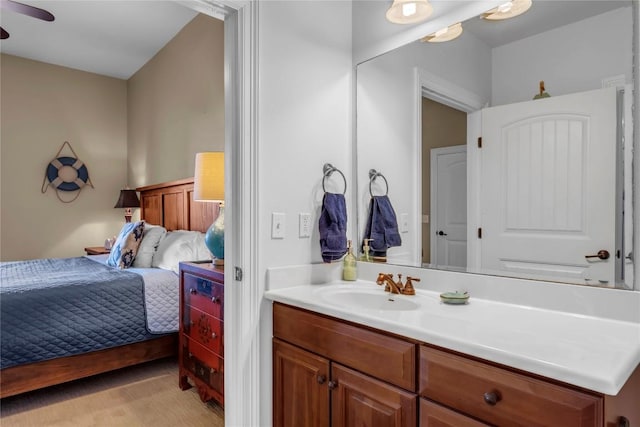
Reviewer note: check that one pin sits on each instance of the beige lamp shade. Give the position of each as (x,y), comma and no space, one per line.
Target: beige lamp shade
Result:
(209,177)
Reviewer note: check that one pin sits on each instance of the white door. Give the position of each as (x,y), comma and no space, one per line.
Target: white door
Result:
(547,186)
(449,206)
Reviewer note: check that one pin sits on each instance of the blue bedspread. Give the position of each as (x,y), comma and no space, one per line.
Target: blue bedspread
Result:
(52,308)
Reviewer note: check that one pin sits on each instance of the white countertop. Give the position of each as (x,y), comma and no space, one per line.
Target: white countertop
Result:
(595,353)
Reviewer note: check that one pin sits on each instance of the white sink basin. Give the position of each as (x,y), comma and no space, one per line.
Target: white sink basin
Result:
(352,296)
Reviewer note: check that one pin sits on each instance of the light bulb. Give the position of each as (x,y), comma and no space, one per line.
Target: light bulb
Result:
(408,9)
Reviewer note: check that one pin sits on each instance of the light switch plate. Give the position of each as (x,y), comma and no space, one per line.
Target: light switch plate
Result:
(278,230)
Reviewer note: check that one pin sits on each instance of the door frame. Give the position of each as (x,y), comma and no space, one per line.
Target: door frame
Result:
(431,86)
(242,293)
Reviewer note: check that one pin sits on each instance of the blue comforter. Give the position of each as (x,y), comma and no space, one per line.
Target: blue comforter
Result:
(52,308)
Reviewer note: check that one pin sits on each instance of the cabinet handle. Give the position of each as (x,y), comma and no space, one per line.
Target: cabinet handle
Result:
(193,291)
(623,422)
(214,335)
(333,385)
(215,300)
(492,397)
(321,379)
(213,370)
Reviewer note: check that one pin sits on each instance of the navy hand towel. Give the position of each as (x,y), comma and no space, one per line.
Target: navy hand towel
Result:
(333,227)
(382,226)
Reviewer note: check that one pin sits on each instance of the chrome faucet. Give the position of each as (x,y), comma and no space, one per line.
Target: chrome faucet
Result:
(391,286)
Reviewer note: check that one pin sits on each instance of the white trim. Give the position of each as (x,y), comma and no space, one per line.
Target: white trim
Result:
(447,93)
(474,172)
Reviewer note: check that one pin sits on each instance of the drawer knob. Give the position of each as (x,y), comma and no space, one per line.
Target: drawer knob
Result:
(213,370)
(492,397)
(321,379)
(214,335)
(215,300)
(623,422)
(333,385)
(192,291)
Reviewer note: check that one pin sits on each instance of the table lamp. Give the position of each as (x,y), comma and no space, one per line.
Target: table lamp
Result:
(209,187)
(128,200)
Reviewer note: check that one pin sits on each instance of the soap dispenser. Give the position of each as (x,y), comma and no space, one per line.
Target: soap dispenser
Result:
(365,248)
(349,271)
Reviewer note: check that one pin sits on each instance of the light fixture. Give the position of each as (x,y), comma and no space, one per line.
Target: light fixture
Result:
(409,11)
(444,35)
(507,10)
(208,186)
(128,200)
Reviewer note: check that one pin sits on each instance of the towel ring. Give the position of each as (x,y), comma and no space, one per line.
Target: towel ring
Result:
(373,174)
(327,170)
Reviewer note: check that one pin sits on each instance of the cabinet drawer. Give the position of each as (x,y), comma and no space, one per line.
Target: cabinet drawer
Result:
(499,396)
(203,364)
(388,358)
(434,415)
(204,329)
(204,294)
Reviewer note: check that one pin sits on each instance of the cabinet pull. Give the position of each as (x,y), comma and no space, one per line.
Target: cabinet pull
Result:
(215,300)
(623,422)
(193,291)
(333,385)
(213,370)
(321,379)
(214,335)
(492,397)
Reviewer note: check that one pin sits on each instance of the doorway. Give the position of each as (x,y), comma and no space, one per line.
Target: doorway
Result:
(442,126)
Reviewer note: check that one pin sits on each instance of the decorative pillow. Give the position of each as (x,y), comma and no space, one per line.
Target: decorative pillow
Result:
(178,246)
(150,240)
(125,248)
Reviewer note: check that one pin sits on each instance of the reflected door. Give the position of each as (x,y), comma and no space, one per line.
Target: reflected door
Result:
(547,186)
(449,204)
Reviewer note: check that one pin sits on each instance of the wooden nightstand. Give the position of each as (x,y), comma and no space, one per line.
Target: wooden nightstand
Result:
(96,250)
(201,352)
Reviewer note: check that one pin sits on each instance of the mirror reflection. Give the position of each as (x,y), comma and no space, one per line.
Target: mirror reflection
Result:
(506,150)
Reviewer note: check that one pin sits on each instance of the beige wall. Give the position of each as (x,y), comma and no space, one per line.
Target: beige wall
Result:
(42,106)
(137,132)
(176,105)
(442,126)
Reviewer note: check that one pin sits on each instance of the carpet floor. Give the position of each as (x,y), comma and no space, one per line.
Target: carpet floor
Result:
(139,396)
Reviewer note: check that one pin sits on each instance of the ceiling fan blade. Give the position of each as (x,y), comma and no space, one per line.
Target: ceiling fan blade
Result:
(27,10)
(3,34)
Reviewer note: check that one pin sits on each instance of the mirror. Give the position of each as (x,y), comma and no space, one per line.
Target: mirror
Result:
(540,186)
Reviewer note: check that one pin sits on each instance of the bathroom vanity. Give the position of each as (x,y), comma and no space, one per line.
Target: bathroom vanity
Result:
(340,359)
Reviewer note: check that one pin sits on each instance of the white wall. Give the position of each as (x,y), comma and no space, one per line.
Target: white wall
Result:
(305,120)
(564,58)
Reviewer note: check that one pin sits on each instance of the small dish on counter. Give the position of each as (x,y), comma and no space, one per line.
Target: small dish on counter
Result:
(454,297)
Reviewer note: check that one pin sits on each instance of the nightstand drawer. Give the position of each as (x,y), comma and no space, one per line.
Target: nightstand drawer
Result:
(204,294)
(204,329)
(204,365)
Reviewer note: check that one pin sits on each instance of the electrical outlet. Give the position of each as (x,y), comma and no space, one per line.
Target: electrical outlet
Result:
(404,223)
(277,225)
(304,225)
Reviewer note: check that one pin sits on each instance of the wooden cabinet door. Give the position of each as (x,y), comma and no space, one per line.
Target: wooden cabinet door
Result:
(300,387)
(434,415)
(359,400)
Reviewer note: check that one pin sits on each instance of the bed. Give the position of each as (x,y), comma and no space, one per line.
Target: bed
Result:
(169,205)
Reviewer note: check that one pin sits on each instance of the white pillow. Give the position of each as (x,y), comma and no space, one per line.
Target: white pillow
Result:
(178,246)
(150,240)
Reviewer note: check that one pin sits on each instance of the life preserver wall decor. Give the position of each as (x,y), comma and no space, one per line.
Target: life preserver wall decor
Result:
(66,173)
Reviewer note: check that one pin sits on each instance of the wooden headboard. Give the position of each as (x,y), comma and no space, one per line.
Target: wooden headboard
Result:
(171,205)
